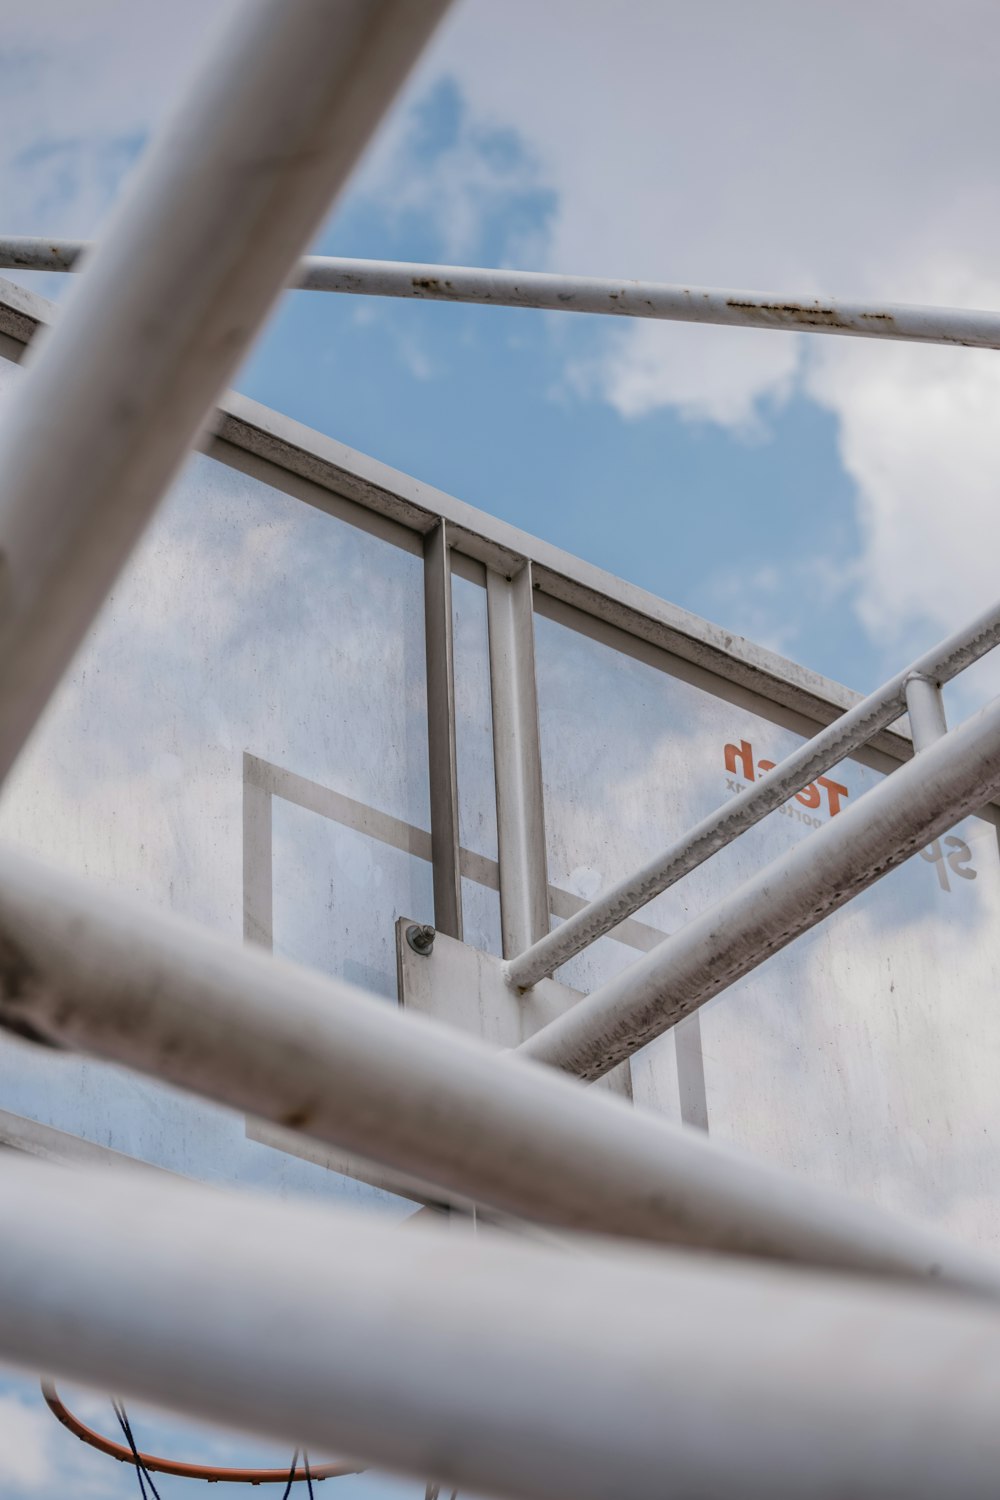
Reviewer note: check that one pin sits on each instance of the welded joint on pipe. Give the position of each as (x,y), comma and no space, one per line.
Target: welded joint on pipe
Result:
(925,707)
(933,682)
(511,983)
(515,568)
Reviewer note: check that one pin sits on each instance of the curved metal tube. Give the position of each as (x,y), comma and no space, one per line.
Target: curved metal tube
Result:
(211,1473)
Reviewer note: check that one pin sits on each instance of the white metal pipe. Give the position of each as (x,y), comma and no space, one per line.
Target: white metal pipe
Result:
(85,969)
(493,1364)
(189,266)
(922,799)
(555,292)
(925,709)
(846,734)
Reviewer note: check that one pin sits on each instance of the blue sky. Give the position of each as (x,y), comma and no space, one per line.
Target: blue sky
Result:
(478,401)
(787,487)
(832,499)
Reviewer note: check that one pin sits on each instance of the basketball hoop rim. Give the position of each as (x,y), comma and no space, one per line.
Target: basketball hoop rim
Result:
(210,1473)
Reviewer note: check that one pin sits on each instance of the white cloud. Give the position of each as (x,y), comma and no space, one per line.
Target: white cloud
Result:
(919,435)
(83,84)
(833,149)
(39,1458)
(25,1434)
(716,374)
(470,174)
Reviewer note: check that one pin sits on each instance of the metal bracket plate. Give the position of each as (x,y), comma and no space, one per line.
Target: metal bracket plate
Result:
(460,986)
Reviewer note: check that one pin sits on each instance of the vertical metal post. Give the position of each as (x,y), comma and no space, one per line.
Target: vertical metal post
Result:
(524,891)
(925,707)
(258,914)
(691,1088)
(441,750)
(925,710)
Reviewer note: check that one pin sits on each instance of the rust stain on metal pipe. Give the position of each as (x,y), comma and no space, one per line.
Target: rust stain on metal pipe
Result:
(825,317)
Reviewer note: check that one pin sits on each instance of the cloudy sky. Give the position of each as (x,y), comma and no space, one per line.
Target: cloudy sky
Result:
(831,498)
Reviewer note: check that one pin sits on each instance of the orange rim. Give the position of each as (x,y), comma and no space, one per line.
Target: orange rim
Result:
(211,1473)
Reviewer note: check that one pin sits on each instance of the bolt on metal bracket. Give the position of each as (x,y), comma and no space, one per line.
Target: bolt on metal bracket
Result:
(420,938)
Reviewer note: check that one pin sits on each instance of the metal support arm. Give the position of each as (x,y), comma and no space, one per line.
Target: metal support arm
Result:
(852,730)
(950,778)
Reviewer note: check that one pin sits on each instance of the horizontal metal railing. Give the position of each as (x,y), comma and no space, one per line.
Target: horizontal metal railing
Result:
(555,292)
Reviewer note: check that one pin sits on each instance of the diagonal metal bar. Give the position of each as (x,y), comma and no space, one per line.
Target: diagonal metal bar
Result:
(501,1366)
(83,969)
(947,780)
(555,292)
(852,730)
(191,262)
